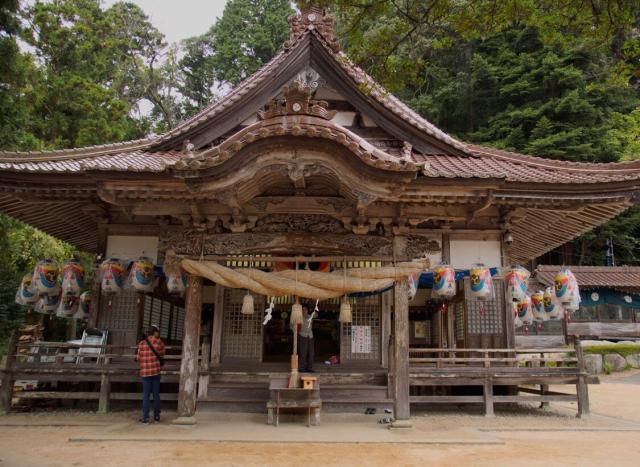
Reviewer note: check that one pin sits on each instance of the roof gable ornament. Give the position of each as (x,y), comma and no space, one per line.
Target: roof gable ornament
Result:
(297,101)
(309,19)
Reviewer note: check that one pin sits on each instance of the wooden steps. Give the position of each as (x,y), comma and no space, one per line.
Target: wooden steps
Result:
(249,392)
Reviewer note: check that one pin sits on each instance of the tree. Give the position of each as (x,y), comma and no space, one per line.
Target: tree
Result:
(247,36)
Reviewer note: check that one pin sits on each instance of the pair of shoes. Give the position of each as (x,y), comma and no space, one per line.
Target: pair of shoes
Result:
(370,411)
(144,421)
(156,419)
(386,420)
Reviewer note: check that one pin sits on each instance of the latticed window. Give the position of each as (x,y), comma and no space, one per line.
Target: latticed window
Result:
(167,315)
(360,340)
(242,334)
(485,316)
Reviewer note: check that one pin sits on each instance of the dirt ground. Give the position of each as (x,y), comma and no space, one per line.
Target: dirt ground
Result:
(516,436)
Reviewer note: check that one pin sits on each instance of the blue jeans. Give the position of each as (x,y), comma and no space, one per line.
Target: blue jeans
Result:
(151,384)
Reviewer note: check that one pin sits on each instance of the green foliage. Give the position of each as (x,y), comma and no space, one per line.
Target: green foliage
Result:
(247,36)
(621,349)
(607,368)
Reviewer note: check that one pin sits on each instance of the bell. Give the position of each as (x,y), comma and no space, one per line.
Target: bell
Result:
(345,311)
(247,304)
(296,313)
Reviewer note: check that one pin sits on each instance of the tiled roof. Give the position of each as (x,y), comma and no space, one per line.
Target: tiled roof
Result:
(493,163)
(135,161)
(619,277)
(462,160)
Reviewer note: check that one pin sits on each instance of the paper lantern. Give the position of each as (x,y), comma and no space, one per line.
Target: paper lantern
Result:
(537,306)
(176,283)
(68,305)
(517,322)
(517,279)
(247,304)
(26,294)
(112,272)
(72,277)
(45,278)
(296,313)
(481,282)
(552,306)
(566,286)
(84,306)
(141,275)
(524,311)
(47,304)
(345,311)
(444,281)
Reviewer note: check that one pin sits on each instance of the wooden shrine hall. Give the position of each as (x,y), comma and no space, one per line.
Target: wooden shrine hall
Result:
(310,164)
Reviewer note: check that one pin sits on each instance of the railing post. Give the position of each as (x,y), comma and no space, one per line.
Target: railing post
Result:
(488,397)
(105,394)
(6,392)
(582,389)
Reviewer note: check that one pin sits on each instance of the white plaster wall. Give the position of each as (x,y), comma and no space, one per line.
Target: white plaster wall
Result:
(128,248)
(465,253)
(344,118)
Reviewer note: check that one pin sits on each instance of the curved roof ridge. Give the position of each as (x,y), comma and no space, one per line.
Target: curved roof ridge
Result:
(388,99)
(554,163)
(76,153)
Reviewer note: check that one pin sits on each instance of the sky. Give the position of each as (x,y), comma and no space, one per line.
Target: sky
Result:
(179,19)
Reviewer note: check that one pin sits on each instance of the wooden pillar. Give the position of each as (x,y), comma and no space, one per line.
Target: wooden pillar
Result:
(6,391)
(190,347)
(582,389)
(216,329)
(401,355)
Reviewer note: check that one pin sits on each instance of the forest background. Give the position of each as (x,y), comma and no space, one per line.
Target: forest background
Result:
(552,78)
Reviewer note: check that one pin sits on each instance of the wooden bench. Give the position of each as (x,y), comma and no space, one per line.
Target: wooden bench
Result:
(283,397)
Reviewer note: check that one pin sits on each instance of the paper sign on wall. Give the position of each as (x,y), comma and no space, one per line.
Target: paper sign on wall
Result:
(360,339)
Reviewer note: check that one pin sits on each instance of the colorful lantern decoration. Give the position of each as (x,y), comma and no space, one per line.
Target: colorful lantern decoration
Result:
(112,272)
(45,278)
(176,283)
(523,308)
(68,305)
(141,275)
(537,306)
(26,294)
(84,306)
(481,282)
(47,304)
(566,286)
(552,306)
(444,281)
(72,277)
(517,279)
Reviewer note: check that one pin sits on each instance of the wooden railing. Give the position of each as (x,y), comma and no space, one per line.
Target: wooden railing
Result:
(515,368)
(46,362)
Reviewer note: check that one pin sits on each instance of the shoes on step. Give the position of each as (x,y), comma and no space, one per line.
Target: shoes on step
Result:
(144,421)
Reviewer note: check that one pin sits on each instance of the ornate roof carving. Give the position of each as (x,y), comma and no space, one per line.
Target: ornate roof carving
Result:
(297,101)
(310,19)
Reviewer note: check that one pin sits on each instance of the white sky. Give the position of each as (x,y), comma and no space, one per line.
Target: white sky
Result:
(179,19)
